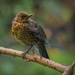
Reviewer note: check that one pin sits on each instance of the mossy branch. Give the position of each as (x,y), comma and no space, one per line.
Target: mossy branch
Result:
(43,61)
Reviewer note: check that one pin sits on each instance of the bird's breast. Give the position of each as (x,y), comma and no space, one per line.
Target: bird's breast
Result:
(22,34)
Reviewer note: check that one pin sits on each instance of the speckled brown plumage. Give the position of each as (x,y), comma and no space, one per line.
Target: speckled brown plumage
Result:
(27,32)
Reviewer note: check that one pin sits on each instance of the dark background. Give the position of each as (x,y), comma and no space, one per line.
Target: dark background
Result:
(57,18)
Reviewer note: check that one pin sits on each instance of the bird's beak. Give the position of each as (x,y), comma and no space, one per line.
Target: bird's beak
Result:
(30,15)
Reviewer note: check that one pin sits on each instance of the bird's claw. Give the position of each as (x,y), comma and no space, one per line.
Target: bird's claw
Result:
(23,54)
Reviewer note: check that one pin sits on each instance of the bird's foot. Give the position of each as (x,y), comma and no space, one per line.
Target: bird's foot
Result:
(23,54)
(40,57)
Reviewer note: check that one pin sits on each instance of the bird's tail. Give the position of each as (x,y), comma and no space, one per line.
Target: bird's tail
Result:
(42,50)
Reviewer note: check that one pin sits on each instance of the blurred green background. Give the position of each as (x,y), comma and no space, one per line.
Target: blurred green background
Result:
(57,18)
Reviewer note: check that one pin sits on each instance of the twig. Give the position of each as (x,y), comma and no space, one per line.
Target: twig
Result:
(69,70)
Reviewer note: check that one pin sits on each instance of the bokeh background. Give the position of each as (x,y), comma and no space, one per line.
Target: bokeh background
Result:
(57,18)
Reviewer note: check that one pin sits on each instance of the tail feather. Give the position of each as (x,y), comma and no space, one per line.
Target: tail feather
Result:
(43,52)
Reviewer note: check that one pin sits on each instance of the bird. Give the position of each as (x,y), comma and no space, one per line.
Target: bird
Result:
(29,33)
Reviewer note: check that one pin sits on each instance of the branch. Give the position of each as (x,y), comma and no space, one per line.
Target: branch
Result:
(35,58)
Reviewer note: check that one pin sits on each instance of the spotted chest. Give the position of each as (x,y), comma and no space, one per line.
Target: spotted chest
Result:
(22,34)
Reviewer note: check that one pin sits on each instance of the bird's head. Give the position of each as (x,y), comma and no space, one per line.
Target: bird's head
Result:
(22,17)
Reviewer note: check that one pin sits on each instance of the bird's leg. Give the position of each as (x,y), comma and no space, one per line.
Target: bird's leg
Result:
(33,51)
(24,53)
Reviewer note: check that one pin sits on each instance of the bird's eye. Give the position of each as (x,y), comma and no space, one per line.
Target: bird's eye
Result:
(23,17)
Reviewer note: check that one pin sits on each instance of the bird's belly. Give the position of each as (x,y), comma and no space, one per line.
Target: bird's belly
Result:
(26,39)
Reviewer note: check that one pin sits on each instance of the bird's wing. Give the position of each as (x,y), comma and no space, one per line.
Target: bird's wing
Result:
(36,31)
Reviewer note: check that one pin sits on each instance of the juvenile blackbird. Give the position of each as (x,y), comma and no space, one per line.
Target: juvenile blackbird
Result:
(29,33)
